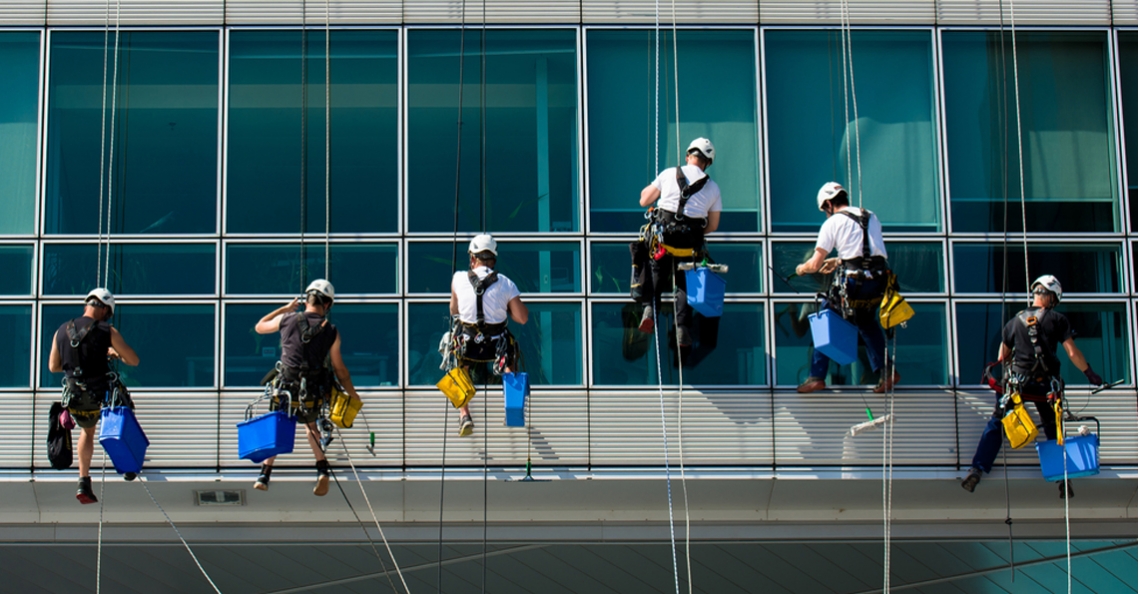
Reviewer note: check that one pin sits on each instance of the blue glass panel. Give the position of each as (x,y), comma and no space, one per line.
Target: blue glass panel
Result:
(276,150)
(16,326)
(621,96)
(547,267)
(16,262)
(427,322)
(136,269)
(1128,109)
(175,344)
(276,269)
(1081,268)
(19,118)
(811,126)
(610,266)
(164,168)
(623,356)
(919,267)
(529,133)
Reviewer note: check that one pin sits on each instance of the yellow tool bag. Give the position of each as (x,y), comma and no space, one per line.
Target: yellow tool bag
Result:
(344,408)
(457,386)
(1019,427)
(894,310)
(1059,414)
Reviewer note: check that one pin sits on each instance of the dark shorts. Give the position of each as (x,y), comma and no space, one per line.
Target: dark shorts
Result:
(84,404)
(308,407)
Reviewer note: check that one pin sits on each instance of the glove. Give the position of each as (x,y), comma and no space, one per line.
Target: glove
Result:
(1093,378)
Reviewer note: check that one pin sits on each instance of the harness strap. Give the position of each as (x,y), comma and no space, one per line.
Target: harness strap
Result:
(1029,319)
(308,332)
(687,190)
(480,286)
(864,221)
(77,336)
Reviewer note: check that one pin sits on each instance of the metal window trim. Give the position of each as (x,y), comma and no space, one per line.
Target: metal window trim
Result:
(764,226)
(31,305)
(42,293)
(1121,140)
(224,141)
(41,137)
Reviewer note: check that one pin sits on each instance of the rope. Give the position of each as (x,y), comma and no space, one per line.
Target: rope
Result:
(888,462)
(442,474)
(184,543)
(99,541)
(1020,158)
(328,138)
(1065,496)
(665,444)
(371,511)
(681,438)
(102,147)
(485,456)
(304,143)
(371,543)
(111,149)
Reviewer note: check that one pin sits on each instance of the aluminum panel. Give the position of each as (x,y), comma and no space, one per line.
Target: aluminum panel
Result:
(135,12)
(23,12)
(20,428)
(288,12)
(1035,12)
(1124,13)
(688,13)
(906,12)
(493,11)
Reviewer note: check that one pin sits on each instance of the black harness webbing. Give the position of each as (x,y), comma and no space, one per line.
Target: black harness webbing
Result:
(77,336)
(308,332)
(687,190)
(864,221)
(480,287)
(1029,319)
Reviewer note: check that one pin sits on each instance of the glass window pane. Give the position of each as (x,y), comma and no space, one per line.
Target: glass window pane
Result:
(16,324)
(16,262)
(922,349)
(1081,268)
(1066,124)
(551,343)
(1128,109)
(547,267)
(810,126)
(530,132)
(918,265)
(165,133)
(175,344)
(625,357)
(611,266)
(1100,331)
(427,322)
(136,269)
(19,107)
(278,268)
(270,133)
(621,83)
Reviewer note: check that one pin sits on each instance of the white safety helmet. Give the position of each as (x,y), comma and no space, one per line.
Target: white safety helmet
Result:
(483,243)
(102,296)
(1049,283)
(705,146)
(321,287)
(827,192)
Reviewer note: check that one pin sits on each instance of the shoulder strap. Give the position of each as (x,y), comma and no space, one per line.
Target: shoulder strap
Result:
(480,286)
(687,190)
(864,221)
(308,331)
(1029,318)
(77,336)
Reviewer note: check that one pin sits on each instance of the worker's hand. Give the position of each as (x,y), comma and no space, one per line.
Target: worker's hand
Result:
(112,353)
(799,270)
(1093,378)
(294,303)
(829,265)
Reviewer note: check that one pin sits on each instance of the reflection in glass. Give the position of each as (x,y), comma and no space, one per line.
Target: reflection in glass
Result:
(1081,268)
(811,125)
(136,269)
(165,162)
(547,267)
(918,266)
(427,323)
(1067,143)
(278,268)
(16,262)
(270,134)
(610,266)
(186,361)
(1128,109)
(19,106)
(530,165)
(621,83)
(16,326)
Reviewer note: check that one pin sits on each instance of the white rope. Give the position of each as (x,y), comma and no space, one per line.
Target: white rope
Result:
(1020,158)
(676,88)
(184,543)
(848,64)
(888,462)
(99,538)
(1065,496)
(328,138)
(681,437)
(102,147)
(111,149)
(665,444)
(363,492)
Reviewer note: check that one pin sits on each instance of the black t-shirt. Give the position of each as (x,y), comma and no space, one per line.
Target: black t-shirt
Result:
(88,361)
(295,352)
(1052,329)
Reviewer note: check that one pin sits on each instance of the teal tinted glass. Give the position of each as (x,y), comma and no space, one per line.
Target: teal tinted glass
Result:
(530,131)
(551,344)
(427,323)
(19,106)
(16,324)
(728,352)
(184,362)
(165,133)
(1100,331)
(1128,108)
(622,130)
(1067,132)
(922,348)
(280,269)
(136,269)
(16,262)
(276,150)
(548,267)
(1081,267)
(610,266)
(811,125)
(919,266)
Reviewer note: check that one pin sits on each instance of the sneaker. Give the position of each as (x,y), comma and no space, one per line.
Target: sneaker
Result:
(262,482)
(84,494)
(811,384)
(885,385)
(646,325)
(466,426)
(1061,489)
(972,479)
(684,337)
(322,486)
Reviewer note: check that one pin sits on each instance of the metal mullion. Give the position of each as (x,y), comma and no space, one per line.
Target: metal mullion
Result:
(767,225)
(224,138)
(582,123)
(939,99)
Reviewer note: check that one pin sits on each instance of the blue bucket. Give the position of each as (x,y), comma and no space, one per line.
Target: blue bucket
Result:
(706,291)
(266,436)
(1083,452)
(516,389)
(833,336)
(123,439)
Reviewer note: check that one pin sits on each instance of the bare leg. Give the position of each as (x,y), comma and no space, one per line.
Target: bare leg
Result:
(86,448)
(314,436)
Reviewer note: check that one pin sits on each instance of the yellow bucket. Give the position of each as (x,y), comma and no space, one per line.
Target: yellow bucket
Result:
(344,408)
(457,386)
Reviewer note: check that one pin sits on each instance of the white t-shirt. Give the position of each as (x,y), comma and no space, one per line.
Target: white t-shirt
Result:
(699,205)
(842,233)
(495,298)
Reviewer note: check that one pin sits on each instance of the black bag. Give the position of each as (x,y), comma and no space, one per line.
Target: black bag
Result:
(58,440)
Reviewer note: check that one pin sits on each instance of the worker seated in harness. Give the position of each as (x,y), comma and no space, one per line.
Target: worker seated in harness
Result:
(688,208)
(859,283)
(481,299)
(304,383)
(1029,348)
(81,350)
